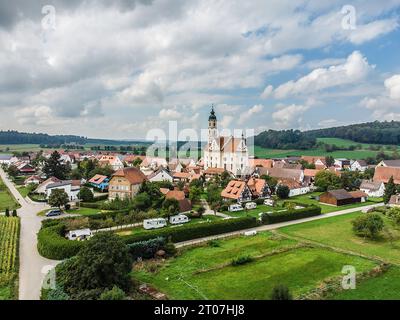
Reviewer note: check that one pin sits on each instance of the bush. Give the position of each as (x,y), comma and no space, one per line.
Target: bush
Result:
(57,294)
(91,205)
(289,215)
(170,249)
(259,201)
(282,192)
(368,225)
(53,245)
(113,294)
(146,249)
(189,232)
(241,261)
(281,292)
(86,195)
(14,213)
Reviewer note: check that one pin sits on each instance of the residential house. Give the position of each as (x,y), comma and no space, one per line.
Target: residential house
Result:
(359,165)
(24,168)
(342,197)
(342,163)
(160,176)
(295,187)
(309,175)
(265,163)
(125,183)
(5,159)
(319,162)
(389,163)
(32,180)
(114,162)
(259,188)
(282,173)
(153,163)
(181,176)
(130,158)
(383,174)
(100,182)
(373,189)
(237,190)
(70,187)
(286,165)
(212,172)
(41,189)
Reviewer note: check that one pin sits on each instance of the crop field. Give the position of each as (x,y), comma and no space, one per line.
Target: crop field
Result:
(207,272)
(9,235)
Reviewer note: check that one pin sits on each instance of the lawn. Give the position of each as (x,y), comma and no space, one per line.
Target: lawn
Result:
(82,211)
(24,191)
(384,287)
(205,272)
(6,198)
(9,235)
(337,232)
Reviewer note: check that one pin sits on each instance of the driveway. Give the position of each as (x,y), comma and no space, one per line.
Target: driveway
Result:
(31,262)
(277,225)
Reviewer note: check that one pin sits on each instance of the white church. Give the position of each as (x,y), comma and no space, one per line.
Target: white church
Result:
(229,153)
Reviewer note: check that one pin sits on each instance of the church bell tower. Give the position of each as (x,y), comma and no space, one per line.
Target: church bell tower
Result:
(212,127)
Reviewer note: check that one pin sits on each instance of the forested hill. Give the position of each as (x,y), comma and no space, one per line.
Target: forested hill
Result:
(387,132)
(15,137)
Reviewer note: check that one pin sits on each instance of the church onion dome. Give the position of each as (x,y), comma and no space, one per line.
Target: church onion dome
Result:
(212,115)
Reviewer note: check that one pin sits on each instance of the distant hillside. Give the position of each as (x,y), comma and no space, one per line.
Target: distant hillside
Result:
(385,133)
(15,137)
(371,132)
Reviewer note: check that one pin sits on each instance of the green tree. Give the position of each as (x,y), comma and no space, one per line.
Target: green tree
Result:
(390,190)
(195,194)
(7,213)
(58,198)
(282,191)
(327,180)
(330,161)
(271,181)
(281,292)
(12,171)
(54,168)
(137,162)
(170,207)
(368,225)
(113,294)
(142,201)
(86,195)
(104,262)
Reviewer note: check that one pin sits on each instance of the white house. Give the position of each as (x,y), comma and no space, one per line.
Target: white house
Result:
(228,153)
(5,159)
(71,188)
(359,165)
(160,176)
(374,189)
(114,161)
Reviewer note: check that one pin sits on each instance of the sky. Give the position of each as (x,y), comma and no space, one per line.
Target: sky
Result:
(117,69)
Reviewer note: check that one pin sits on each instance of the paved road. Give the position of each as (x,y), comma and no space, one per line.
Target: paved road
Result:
(277,225)
(31,262)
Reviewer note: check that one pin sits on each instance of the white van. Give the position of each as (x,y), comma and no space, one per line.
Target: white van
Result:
(251,205)
(235,208)
(154,223)
(178,219)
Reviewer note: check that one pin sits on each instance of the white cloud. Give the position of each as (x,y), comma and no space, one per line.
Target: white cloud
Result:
(367,32)
(247,115)
(289,116)
(170,114)
(353,70)
(393,85)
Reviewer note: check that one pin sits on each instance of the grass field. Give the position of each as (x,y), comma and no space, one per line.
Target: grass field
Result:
(337,232)
(206,273)
(9,235)
(6,199)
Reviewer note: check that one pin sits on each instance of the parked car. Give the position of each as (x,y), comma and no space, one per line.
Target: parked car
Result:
(54,213)
(235,208)
(178,219)
(154,223)
(251,205)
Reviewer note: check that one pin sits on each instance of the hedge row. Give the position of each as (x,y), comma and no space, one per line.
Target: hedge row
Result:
(194,231)
(146,249)
(53,245)
(289,215)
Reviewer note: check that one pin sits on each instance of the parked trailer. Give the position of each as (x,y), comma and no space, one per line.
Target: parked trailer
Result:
(79,235)
(178,219)
(154,223)
(251,205)
(235,208)
(269,202)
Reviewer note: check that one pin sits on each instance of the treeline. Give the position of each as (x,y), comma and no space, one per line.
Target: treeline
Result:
(286,139)
(15,137)
(387,132)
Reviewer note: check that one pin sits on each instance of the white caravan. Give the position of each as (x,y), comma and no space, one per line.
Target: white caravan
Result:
(235,208)
(178,219)
(269,202)
(154,223)
(251,205)
(79,235)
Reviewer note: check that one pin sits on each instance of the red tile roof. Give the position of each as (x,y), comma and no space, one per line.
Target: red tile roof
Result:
(134,175)
(383,174)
